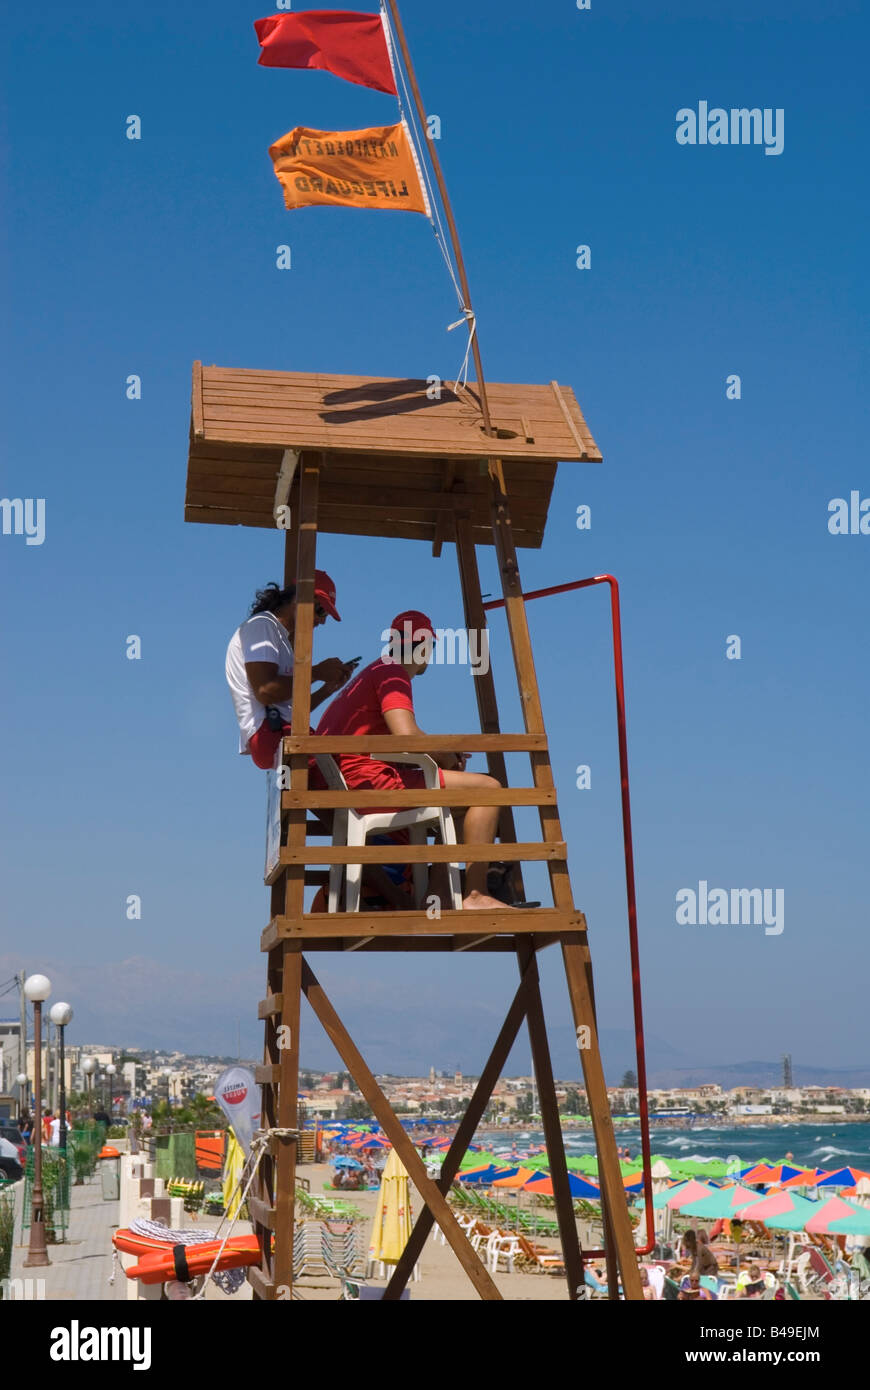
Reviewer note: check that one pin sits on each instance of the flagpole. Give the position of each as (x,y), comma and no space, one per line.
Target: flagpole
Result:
(448,210)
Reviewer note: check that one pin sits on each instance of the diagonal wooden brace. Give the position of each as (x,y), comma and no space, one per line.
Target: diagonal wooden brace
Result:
(463,1137)
(380,1106)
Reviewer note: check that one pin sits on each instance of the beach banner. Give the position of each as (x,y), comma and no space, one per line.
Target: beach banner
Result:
(238,1096)
(344,42)
(374,168)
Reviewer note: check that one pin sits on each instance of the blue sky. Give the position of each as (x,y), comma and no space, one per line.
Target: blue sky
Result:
(558,128)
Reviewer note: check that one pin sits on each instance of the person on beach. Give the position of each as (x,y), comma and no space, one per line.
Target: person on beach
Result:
(259,666)
(697,1248)
(750,1283)
(692,1290)
(379,700)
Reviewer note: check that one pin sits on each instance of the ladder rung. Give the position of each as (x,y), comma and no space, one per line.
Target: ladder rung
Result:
(415,743)
(408,798)
(268,1008)
(262,1286)
(422,854)
(268,1074)
(262,1214)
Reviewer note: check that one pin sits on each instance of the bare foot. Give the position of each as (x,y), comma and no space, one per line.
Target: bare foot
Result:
(481,902)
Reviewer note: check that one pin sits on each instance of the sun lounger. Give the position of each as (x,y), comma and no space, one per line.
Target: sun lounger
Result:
(542,1259)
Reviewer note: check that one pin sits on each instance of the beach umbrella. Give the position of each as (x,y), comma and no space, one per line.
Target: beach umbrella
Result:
(843,1177)
(485,1174)
(392,1224)
(806,1177)
(578,1187)
(721,1204)
(345,1161)
(861,1191)
(518,1178)
(768,1173)
(839,1217)
(373,1143)
(689,1190)
(792,1220)
(633,1182)
(776,1204)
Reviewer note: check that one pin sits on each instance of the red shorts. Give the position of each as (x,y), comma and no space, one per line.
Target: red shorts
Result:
(392,777)
(263,745)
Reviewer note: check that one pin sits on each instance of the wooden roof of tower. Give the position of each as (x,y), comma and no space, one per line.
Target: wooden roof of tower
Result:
(398,464)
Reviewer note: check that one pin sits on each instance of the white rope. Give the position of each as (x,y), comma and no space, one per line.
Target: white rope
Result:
(408,113)
(259,1145)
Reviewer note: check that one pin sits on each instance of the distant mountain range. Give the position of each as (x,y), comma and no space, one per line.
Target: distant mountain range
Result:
(141,1002)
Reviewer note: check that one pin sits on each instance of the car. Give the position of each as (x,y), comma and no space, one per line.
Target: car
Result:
(13,1135)
(10,1169)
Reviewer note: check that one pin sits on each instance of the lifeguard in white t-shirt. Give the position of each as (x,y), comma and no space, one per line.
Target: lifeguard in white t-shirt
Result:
(259,665)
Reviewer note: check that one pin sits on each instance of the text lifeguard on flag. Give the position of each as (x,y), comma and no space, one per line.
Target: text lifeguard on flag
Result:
(374,168)
(349,44)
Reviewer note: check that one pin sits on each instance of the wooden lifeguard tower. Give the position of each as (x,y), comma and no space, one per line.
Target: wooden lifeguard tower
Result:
(371,456)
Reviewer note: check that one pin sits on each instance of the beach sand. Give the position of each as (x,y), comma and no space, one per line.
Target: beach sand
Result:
(442,1278)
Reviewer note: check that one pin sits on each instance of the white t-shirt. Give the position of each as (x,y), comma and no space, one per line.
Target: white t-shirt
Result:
(55,1134)
(261,638)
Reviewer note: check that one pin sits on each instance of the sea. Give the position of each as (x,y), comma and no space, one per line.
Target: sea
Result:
(813,1145)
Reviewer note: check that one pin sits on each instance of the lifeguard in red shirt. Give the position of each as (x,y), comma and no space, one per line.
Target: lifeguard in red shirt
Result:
(379,701)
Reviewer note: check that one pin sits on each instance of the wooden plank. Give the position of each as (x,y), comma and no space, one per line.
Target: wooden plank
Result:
(268,1008)
(484,682)
(374,423)
(609,1171)
(283,434)
(423,531)
(461,1140)
(196,401)
(395,1132)
(252,500)
(444,796)
(262,1214)
(224,516)
(263,1287)
(267,1074)
(375,945)
(584,441)
(468,922)
(414,743)
(550,1120)
(418,854)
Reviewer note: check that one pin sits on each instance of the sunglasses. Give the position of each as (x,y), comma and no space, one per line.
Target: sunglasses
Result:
(320,611)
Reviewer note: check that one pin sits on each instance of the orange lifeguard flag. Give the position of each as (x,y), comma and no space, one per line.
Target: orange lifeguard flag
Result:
(375,168)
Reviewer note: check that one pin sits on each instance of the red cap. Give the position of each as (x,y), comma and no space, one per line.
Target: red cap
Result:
(324,591)
(417,624)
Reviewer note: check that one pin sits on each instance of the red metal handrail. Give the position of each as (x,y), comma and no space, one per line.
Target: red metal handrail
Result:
(640,1048)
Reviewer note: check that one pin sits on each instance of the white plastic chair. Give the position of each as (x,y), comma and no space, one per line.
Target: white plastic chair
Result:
(502,1245)
(349,827)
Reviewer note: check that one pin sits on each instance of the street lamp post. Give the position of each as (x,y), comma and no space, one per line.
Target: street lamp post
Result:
(23,1109)
(37,988)
(89,1066)
(110,1072)
(61,1014)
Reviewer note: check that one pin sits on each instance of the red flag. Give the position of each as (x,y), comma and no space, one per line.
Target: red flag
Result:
(349,44)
